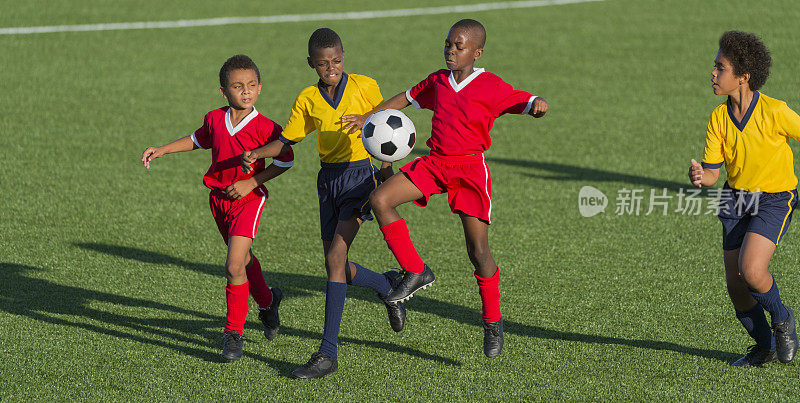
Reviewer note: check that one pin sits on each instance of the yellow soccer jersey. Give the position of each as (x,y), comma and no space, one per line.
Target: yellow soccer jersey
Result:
(756,150)
(314,110)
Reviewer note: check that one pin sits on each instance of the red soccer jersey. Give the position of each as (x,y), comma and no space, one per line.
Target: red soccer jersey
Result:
(463,113)
(227,144)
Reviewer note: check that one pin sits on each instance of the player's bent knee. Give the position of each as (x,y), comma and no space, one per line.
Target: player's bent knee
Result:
(378,201)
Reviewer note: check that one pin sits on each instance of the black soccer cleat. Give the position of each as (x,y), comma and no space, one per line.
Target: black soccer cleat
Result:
(317,366)
(785,337)
(493,338)
(756,356)
(395,310)
(411,283)
(231,345)
(269,316)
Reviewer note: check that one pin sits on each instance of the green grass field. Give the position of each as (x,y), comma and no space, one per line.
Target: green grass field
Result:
(111,277)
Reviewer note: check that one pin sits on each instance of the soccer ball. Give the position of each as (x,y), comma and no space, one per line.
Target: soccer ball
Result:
(388,135)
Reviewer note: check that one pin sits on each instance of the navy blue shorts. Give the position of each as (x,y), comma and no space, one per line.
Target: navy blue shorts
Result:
(766,214)
(343,190)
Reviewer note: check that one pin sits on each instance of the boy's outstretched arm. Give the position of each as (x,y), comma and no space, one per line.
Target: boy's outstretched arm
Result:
(355,122)
(181,144)
(702,177)
(271,150)
(243,187)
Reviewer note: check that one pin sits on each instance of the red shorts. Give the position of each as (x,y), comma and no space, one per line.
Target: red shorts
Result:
(237,217)
(465,179)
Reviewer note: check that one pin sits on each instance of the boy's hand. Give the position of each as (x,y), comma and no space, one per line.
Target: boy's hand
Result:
(696,173)
(354,123)
(248,158)
(241,188)
(539,107)
(150,154)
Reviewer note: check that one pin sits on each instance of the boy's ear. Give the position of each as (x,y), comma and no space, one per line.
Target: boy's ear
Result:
(478,53)
(744,79)
(310,64)
(222,91)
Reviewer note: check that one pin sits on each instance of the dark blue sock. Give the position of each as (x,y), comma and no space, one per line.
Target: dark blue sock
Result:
(755,322)
(367,278)
(334,306)
(771,301)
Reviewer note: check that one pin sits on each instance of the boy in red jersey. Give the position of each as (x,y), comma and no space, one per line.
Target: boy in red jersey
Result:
(465,102)
(749,133)
(237,199)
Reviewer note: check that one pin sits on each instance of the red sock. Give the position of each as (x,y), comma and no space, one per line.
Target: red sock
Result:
(396,236)
(258,287)
(489,290)
(236,295)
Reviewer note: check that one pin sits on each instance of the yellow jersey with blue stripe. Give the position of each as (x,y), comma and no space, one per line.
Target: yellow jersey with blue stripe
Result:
(755,150)
(314,110)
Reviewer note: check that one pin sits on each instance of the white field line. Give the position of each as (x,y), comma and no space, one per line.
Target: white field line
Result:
(359,15)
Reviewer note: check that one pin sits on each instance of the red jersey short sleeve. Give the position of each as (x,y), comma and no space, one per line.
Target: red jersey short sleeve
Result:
(284,160)
(509,100)
(202,136)
(423,95)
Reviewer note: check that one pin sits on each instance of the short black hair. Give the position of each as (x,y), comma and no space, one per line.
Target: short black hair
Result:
(237,62)
(473,26)
(324,38)
(747,54)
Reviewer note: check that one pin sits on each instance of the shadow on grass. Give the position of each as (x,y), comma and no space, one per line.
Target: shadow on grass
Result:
(299,284)
(54,303)
(563,172)
(207,330)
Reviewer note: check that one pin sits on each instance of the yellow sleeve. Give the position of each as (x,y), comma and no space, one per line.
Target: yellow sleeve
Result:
(300,123)
(371,92)
(712,153)
(788,122)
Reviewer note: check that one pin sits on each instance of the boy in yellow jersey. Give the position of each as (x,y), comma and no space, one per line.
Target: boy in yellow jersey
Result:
(750,133)
(344,183)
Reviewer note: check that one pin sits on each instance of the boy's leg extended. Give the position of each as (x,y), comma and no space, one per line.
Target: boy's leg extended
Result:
(487,274)
(336,258)
(395,191)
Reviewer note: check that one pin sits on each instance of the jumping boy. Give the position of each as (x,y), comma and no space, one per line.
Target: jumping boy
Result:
(237,199)
(750,134)
(344,183)
(465,102)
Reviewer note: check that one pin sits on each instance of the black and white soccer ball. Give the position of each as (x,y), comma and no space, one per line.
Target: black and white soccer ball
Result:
(389,135)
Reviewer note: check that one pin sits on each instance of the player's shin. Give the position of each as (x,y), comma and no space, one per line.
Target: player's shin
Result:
(399,241)
(489,291)
(258,287)
(236,296)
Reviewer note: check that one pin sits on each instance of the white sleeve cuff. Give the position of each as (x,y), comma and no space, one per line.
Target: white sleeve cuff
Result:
(194,140)
(529,105)
(412,100)
(282,164)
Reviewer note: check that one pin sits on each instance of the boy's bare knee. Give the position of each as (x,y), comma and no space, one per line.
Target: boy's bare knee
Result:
(379,201)
(235,272)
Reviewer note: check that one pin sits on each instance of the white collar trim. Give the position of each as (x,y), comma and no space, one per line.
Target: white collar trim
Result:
(458,87)
(233,130)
